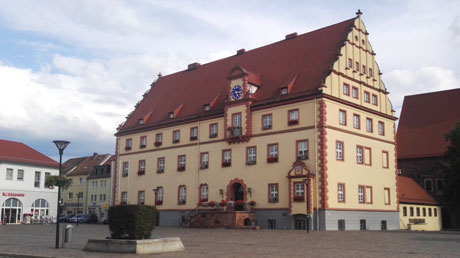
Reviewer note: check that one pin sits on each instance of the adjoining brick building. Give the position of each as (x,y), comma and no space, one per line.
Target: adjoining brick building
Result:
(295,134)
(425,119)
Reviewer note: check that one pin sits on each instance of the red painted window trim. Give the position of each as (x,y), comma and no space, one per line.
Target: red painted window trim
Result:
(297,149)
(346,85)
(350,63)
(158,143)
(159,202)
(389,195)
(269,193)
(178,195)
(226,164)
(271,121)
(343,150)
(372,125)
(141,146)
(273,159)
(387,165)
(370,156)
(158,164)
(366,93)
(344,199)
(139,170)
(200,197)
(364,194)
(129,144)
(217,130)
(178,140)
(201,160)
(362,154)
(342,110)
(298,198)
(376,100)
(193,138)
(357,92)
(370,201)
(293,122)
(359,121)
(247,155)
(121,198)
(139,197)
(383,127)
(180,169)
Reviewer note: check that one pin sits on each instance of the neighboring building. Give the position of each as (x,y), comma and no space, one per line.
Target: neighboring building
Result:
(24,193)
(425,119)
(417,209)
(99,194)
(257,125)
(78,169)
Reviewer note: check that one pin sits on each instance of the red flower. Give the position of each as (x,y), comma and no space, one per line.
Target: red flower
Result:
(240,202)
(223,203)
(141,172)
(212,203)
(158,144)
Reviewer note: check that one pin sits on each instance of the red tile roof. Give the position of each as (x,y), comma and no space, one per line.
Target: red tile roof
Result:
(410,192)
(84,166)
(308,58)
(18,152)
(425,118)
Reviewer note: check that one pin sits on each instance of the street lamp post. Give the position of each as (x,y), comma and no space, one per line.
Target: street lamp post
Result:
(61,145)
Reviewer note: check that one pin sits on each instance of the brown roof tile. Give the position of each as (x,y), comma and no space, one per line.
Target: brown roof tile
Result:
(84,165)
(307,57)
(425,118)
(18,152)
(410,192)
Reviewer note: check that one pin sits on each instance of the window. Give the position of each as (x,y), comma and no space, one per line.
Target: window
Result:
(361,194)
(182,198)
(439,184)
(266,122)
(128,144)
(411,210)
(159,196)
(204,193)
(374,99)
(158,139)
(418,211)
(302,149)
(271,223)
(428,185)
(386,196)
(212,130)
(385,159)
(359,154)
(339,150)
(70,196)
(226,158)
(363,70)
(405,211)
(299,191)
(369,127)
(435,212)
(160,165)
(354,93)
(367,156)
(367,97)
(346,89)
(429,212)
(47,176)
(124,197)
(356,121)
(20,176)
(381,128)
(37,178)
(125,168)
(368,194)
(236,124)
(251,155)
(370,72)
(9,174)
(341,192)
(273,193)
(176,136)
(143,142)
(284,91)
(140,197)
(350,63)
(207,107)
(357,66)
(362,224)
(341,224)
(80,181)
(342,117)
(141,170)
(193,133)
(293,117)
(181,163)
(424,212)
(204,160)
(272,153)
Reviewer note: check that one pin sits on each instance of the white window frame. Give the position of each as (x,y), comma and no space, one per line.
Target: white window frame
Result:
(204,159)
(369,125)
(339,150)
(204,192)
(359,154)
(182,160)
(340,193)
(20,172)
(182,194)
(227,156)
(252,154)
(342,117)
(381,128)
(302,149)
(273,150)
(9,174)
(267,121)
(361,194)
(356,121)
(159,195)
(273,192)
(294,115)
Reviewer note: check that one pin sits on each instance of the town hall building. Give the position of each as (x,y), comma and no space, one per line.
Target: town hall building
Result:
(298,134)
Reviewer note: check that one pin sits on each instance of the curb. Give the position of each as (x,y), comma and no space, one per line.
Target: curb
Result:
(23,255)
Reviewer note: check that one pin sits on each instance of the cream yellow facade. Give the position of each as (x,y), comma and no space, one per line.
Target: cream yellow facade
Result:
(99,196)
(330,199)
(420,217)
(73,204)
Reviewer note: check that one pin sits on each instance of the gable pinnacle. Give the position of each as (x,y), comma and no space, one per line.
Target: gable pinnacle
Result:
(359,13)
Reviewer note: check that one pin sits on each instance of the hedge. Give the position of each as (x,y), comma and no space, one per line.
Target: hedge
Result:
(131,221)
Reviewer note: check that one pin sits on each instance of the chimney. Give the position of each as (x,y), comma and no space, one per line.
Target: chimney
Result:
(291,36)
(94,154)
(240,51)
(193,66)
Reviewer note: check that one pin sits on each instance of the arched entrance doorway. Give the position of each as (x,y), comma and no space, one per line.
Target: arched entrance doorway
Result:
(11,211)
(238,196)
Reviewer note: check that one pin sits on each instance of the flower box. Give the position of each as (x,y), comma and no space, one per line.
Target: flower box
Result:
(128,148)
(212,204)
(302,157)
(124,174)
(223,203)
(159,171)
(226,164)
(273,200)
(204,166)
(175,141)
(142,146)
(239,202)
(250,162)
(157,144)
(193,138)
(293,122)
(158,202)
(181,168)
(141,172)
(272,159)
(214,135)
(181,202)
(298,199)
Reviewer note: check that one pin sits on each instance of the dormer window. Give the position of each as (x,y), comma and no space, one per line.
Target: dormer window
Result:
(207,107)
(141,121)
(171,114)
(252,88)
(284,91)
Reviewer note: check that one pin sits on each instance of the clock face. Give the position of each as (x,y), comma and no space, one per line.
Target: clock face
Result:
(237,92)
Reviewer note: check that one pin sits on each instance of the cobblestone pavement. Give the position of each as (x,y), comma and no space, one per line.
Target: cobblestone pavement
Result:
(39,240)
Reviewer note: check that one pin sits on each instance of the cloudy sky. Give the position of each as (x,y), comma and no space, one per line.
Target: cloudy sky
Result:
(74,69)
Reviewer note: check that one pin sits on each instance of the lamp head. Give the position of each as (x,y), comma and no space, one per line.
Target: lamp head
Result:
(61,145)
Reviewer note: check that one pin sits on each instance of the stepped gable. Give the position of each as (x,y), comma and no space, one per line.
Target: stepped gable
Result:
(18,152)
(425,118)
(410,192)
(308,57)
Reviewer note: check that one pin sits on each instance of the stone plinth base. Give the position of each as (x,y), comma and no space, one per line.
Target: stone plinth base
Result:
(145,246)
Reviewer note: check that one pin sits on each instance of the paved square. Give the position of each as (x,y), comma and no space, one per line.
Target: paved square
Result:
(39,240)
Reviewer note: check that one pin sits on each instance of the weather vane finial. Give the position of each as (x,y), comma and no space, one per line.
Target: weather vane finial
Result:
(359,13)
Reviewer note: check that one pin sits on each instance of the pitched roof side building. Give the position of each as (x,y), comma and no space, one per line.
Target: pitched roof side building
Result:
(425,118)
(410,192)
(18,152)
(271,66)
(84,165)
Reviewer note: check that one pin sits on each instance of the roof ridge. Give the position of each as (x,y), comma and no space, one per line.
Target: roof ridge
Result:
(432,92)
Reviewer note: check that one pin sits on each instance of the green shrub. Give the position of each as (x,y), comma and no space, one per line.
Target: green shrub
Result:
(131,221)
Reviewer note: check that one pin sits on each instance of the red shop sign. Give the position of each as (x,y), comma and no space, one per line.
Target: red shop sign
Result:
(12,194)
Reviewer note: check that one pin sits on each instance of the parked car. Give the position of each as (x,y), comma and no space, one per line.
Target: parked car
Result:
(65,217)
(92,219)
(80,217)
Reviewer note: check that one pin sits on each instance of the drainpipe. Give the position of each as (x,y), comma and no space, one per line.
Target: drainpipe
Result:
(316,164)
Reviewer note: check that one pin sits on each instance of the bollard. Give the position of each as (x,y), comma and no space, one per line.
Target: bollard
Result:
(67,234)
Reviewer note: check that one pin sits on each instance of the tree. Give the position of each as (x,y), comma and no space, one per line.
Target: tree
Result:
(452,158)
